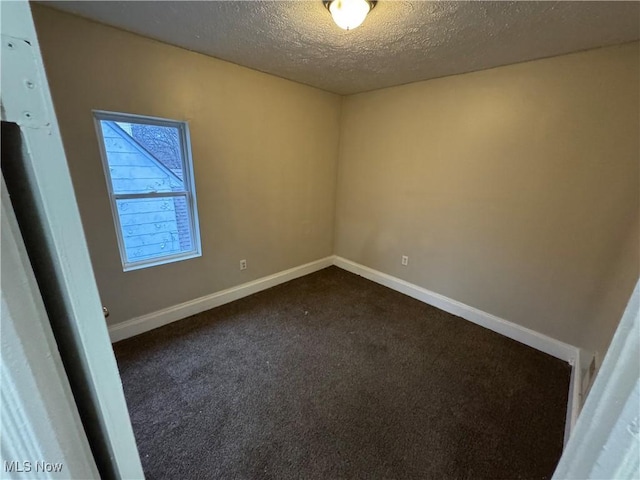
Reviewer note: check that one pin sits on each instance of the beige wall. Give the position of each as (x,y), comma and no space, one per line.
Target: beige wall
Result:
(513,190)
(264,151)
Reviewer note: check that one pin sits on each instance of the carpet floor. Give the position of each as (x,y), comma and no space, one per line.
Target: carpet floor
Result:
(332,376)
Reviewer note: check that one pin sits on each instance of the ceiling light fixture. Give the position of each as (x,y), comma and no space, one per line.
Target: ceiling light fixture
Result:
(349,14)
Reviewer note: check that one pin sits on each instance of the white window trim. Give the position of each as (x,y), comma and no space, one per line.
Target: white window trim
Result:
(188,181)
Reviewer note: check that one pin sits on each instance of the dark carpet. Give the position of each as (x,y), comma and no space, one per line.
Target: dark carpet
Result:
(332,376)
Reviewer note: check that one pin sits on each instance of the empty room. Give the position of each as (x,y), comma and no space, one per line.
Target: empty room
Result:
(321,240)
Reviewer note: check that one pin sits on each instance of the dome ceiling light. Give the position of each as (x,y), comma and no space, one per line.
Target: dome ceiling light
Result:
(349,14)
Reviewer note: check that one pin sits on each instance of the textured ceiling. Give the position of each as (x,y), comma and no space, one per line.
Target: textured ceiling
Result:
(399,42)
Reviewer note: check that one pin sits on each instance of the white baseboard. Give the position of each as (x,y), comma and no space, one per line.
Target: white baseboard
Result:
(144,323)
(531,338)
(574,402)
(511,330)
(521,334)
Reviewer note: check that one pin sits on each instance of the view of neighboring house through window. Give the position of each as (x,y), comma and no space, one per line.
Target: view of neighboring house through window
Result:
(147,162)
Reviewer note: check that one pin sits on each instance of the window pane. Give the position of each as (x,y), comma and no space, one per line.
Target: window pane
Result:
(162,142)
(143,158)
(154,227)
(183,222)
(152,192)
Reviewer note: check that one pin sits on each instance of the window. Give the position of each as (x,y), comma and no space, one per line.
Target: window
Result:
(149,173)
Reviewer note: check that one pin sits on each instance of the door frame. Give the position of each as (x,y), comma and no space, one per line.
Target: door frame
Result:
(69,290)
(40,421)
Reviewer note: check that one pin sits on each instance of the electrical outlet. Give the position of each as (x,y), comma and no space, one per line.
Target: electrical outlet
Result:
(243,264)
(405,260)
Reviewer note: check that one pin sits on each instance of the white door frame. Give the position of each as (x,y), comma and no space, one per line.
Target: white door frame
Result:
(39,421)
(86,350)
(606,440)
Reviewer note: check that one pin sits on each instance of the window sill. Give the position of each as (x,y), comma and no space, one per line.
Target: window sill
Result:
(128,267)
